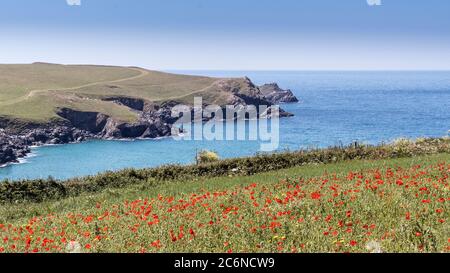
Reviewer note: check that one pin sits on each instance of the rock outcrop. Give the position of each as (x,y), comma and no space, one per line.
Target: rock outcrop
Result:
(274,94)
(143,129)
(89,121)
(133,103)
(11,148)
(16,146)
(244,92)
(105,127)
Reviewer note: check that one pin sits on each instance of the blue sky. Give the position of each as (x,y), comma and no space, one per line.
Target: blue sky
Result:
(229,34)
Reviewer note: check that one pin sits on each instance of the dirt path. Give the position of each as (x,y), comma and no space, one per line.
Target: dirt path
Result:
(32,93)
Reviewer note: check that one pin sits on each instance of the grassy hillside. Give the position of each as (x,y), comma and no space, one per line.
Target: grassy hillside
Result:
(388,198)
(34,92)
(394,205)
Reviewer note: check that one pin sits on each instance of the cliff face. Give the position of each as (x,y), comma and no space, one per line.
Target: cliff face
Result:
(154,121)
(243,92)
(273,93)
(105,127)
(89,121)
(11,148)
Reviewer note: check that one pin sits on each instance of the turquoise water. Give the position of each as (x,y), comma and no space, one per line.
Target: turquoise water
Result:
(336,107)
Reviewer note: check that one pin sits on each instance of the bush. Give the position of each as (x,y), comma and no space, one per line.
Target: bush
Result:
(205,156)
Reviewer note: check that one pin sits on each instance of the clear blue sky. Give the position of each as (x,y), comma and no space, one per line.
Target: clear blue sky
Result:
(229,34)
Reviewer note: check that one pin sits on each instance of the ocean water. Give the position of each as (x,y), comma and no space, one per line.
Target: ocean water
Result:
(336,108)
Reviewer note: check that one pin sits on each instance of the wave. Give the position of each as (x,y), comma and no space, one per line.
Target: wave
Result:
(22,160)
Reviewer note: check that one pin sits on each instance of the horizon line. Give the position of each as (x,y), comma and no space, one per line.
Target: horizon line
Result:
(313,70)
(250,70)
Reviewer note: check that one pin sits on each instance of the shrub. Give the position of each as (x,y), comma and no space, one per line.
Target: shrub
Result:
(205,156)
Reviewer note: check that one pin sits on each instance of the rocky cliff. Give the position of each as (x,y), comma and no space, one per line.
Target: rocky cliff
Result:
(11,148)
(274,94)
(154,120)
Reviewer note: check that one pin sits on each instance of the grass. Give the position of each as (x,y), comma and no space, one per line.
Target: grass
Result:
(18,83)
(49,189)
(393,205)
(34,92)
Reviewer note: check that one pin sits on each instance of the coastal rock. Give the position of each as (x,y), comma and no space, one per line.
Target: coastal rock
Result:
(12,148)
(133,103)
(155,119)
(244,92)
(15,146)
(103,126)
(89,121)
(143,129)
(274,94)
(54,135)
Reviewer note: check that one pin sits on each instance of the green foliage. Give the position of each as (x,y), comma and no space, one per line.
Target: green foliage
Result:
(41,190)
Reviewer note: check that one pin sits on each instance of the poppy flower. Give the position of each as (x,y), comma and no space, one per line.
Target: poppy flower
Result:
(316,195)
(408,216)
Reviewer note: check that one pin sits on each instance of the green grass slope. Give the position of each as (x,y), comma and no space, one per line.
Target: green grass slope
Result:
(34,92)
(393,205)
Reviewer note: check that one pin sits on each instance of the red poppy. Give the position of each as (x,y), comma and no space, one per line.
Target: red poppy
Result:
(316,195)
(88,219)
(156,244)
(408,216)
(191,231)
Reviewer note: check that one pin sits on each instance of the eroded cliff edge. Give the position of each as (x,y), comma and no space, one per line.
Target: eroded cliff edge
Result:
(154,118)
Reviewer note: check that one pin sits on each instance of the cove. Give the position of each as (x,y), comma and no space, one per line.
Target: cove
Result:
(336,108)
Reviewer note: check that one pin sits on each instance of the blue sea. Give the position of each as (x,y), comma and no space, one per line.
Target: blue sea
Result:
(336,108)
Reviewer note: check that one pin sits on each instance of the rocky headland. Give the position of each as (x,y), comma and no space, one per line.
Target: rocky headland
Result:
(274,94)
(154,120)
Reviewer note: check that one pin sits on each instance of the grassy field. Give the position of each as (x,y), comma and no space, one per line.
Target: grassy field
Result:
(395,205)
(34,92)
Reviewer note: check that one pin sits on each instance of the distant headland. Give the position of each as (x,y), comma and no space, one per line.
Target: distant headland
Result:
(44,103)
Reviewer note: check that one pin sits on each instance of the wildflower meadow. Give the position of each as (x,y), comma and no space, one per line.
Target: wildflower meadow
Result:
(389,206)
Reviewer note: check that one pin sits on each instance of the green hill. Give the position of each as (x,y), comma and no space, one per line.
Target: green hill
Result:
(36,91)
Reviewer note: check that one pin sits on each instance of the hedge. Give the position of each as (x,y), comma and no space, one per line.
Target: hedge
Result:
(51,189)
